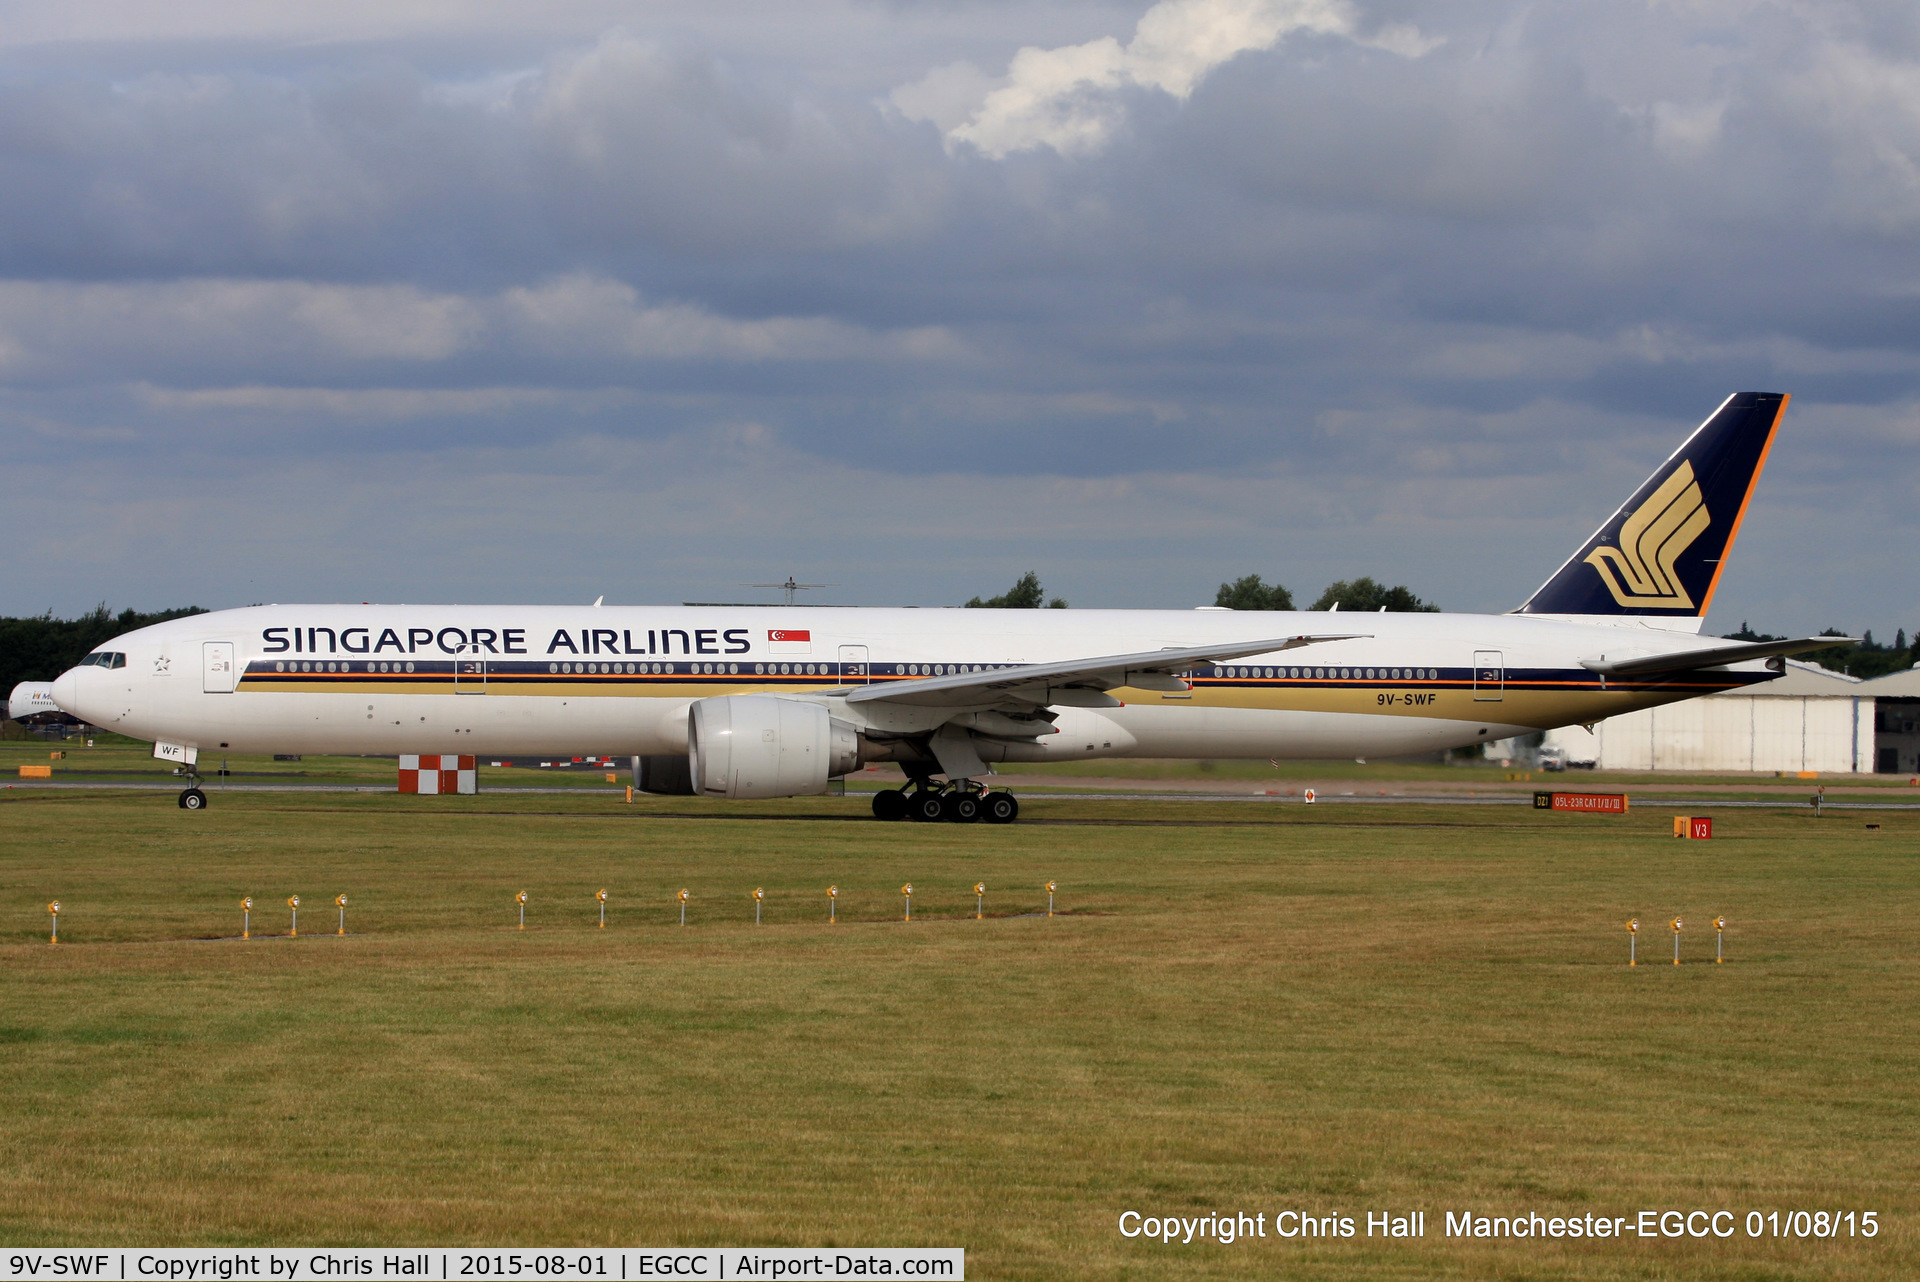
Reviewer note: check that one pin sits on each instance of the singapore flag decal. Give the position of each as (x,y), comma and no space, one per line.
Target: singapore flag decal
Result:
(790,640)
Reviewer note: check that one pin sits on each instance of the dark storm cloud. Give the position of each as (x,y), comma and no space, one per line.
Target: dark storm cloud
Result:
(920,296)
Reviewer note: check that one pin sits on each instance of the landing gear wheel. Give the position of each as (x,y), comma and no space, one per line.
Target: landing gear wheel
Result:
(926,807)
(960,807)
(999,808)
(193,799)
(889,804)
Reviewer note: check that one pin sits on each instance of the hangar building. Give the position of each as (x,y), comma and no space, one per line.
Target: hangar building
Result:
(1896,728)
(1809,719)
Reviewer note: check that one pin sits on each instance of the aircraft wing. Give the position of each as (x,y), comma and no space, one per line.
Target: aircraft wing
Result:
(1074,679)
(1719,656)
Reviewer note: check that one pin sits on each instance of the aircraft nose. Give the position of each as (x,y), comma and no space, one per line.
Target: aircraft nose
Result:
(66,690)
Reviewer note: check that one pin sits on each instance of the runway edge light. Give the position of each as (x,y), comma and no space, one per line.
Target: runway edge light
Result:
(1719,939)
(246,917)
(1050,889)
(833,905)
(1633,940)
(521,899)
(1676,926)
(293,906)
(340,902)
(601,895)
(758,895)
(53,910)
(979,900)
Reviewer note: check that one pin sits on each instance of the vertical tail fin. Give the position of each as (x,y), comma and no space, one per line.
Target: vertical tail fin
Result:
(1661,554)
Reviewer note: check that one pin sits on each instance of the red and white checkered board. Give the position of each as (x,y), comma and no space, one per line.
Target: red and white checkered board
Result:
(433,776)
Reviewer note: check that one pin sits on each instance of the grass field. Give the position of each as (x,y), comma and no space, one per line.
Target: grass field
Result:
(115,758)
(119,759)
(1240,1009)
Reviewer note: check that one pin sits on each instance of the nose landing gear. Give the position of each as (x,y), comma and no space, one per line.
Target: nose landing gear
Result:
(193,798)
(961,802)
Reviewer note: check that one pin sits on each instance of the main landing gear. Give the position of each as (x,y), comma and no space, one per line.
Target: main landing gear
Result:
(963,802)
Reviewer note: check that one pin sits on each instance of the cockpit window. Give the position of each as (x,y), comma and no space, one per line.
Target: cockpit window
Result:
(119,660)
(104,659)
(91,660)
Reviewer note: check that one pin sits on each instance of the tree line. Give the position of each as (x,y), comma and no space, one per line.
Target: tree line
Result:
(1361,594)
(1867,660)
(1248,593)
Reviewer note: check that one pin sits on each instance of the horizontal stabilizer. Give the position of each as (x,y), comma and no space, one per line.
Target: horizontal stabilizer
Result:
(1039,683)
(1719,656)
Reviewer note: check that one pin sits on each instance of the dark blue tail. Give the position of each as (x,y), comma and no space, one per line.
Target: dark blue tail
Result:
(1662,552)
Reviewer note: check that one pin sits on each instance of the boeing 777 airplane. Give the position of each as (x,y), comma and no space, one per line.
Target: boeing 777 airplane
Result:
(774,701)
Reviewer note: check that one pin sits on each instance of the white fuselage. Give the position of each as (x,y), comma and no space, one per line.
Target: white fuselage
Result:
(496,680)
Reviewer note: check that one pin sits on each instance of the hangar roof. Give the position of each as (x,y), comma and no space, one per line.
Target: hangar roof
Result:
(1895,685)
(1801,680)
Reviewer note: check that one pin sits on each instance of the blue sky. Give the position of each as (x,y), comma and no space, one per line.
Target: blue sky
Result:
(413,301)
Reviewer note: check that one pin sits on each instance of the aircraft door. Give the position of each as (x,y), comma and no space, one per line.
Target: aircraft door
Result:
(854,670)
(470,671)
(216,667)
(1489,676)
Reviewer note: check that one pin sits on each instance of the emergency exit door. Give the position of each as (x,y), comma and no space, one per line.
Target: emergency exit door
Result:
(853,665)
(1489,676)
(216,667)
(470,671)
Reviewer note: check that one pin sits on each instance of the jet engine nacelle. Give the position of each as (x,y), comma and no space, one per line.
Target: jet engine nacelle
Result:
(757,745)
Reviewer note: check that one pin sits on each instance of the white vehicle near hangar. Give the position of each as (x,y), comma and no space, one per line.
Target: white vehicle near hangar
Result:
(754,702)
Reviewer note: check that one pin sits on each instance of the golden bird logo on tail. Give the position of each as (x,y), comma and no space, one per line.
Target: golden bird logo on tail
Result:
(1640,571)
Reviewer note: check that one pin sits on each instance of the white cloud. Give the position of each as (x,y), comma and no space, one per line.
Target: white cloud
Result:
(1685,130)
(47,327)
(334,405)
(1066,97)
(1490,353)
(946,96)
(175,331)
(1404,39)
(599,316)
(1868,103)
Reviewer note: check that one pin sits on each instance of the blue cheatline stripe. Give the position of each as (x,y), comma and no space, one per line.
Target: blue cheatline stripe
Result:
(660,672)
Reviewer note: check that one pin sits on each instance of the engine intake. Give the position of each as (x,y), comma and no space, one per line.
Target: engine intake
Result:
(758,745)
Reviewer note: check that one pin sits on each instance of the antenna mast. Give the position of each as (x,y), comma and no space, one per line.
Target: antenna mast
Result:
(790,587)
